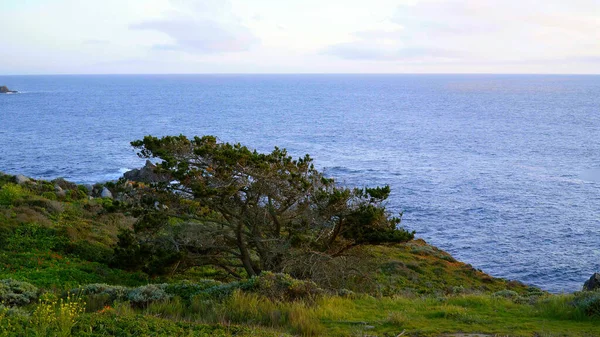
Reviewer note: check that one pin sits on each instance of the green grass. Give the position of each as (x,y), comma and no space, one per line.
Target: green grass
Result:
(247,314)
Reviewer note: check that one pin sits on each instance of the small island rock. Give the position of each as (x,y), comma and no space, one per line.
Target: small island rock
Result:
(4,90)
(593,283)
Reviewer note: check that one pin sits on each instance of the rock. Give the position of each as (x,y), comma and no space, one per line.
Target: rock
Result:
(106,193)
(593,283)
(146,174)
(63,184)
(21,179)
(57,188)
(4,90)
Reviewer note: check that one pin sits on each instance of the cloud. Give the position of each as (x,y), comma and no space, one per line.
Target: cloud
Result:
(201,27)
(492,31)
(96,42)
(203,36)
(377,51)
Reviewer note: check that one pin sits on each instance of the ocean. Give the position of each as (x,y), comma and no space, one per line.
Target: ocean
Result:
(502,171)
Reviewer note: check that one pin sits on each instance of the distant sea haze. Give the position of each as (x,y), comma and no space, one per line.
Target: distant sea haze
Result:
(502,171)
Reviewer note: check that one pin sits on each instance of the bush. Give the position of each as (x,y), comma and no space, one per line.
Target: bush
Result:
(113,292)
(28,237)
(144,295)
(224,291)
(90,251)
(588,302)
(49,195)
(510,294)
(186,290)
(285,288)
(274,286)
(17,293)
(9,193)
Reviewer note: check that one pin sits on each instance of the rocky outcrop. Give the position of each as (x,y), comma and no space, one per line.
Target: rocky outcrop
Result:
(21,179)
(106,193)
(593,283)
(4,90)
(147,174)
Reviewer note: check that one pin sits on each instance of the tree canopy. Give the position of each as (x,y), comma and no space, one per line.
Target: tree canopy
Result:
(248,212)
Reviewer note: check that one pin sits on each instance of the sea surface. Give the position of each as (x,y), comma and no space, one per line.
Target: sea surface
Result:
(502,171)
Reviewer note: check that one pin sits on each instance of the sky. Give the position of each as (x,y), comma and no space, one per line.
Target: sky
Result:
(299,36)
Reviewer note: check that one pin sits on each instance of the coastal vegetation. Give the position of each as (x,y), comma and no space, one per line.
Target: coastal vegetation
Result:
(232,242)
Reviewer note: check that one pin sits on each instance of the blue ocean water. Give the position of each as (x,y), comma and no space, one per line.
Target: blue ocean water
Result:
(502,171)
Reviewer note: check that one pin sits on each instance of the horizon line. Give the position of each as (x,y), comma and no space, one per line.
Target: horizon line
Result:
(307,73)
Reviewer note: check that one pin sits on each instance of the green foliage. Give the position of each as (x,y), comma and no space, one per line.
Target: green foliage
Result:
(223,291)
(588,302)
(233,207)
(283,287)
(17,293)
(111,291)
(114,323)
(144,295)
(510,294)
(274,286)
(52,270)
(32,236)
(9,193)
(155,257)
(242,308)
(186,290)
(50,195)
(90,251)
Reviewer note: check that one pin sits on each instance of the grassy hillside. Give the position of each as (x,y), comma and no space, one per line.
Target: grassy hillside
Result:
(57,280)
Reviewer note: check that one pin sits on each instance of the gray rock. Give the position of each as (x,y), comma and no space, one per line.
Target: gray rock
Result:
(593,283)
(65,185)
(146,174)
(57,188)
(21,179)
(106,193)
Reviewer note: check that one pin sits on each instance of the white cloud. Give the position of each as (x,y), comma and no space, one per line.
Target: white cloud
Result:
(379,36)
(204,36)
(491,31)
(201,27)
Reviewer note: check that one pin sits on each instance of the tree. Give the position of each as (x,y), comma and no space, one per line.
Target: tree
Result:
(235,208)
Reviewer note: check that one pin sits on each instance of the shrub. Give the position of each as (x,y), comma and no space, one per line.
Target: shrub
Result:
(186,290)
(47,202)
(29,237)
(144,295)
(17,293)
(9,193)
(285,288)
(510,294)
(49,195)
(56,318)
(274,286)
(588,302)
(90,251)
(224,291)
(113,292)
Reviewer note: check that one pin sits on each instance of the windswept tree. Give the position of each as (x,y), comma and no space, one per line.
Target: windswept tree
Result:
(238,209)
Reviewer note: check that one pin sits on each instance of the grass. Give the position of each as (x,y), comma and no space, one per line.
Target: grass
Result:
(329,316)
